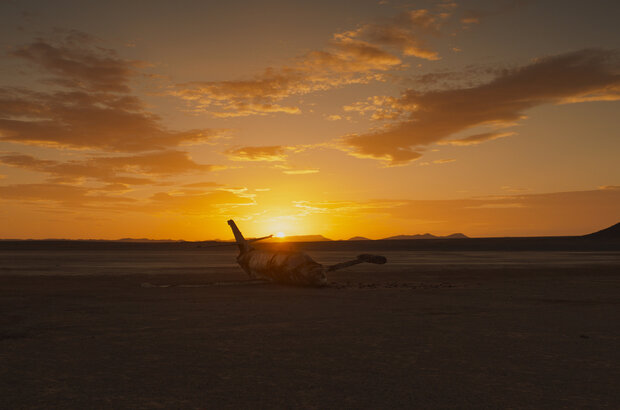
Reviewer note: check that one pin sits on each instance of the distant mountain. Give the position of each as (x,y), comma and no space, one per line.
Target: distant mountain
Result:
(457,236)
(613,232)
(358,238)
(426,236)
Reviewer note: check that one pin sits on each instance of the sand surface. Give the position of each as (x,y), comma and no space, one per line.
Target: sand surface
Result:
(427,330)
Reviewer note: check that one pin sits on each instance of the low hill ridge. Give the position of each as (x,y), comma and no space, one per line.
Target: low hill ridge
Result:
(612,232)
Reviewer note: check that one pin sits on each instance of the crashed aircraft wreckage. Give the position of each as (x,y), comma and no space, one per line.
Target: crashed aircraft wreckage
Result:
(293,268)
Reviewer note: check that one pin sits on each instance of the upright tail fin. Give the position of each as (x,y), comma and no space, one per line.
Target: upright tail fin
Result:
(241,242)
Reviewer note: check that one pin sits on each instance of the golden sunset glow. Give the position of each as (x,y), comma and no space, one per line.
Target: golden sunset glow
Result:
(374,120)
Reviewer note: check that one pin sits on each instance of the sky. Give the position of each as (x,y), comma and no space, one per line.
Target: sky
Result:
(162,120)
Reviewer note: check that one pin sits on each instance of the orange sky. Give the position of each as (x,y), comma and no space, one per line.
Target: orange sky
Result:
(162,120)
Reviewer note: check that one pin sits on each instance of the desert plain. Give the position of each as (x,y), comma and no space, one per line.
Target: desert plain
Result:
(161,326)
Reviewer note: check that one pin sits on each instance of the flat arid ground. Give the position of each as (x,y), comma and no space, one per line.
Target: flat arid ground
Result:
(442,329)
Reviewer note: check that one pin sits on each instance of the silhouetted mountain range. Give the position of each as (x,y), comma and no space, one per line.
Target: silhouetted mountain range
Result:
(321,238)
(611,233)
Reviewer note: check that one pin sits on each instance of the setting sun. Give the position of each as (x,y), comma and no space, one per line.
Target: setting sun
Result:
(280,235)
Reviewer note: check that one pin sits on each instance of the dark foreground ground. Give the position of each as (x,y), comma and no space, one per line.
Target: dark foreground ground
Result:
(527,334)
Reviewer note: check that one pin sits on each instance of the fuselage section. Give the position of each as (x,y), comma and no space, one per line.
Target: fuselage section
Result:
(295,268)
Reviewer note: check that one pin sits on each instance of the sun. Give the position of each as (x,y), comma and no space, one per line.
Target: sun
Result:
(280,235)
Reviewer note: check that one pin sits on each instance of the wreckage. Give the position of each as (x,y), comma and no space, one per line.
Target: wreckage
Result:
(293,268)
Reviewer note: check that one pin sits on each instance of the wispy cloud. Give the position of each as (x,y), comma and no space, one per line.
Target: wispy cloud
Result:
(289,169)
(129,169)
(197,203)
(334,117)
(271,153)
(93,107)
(77,119)
(379,108)
(405,32)
(76,197)
(477,138)
(60,194)
(356,56)
(301,171)
(436,116)
(349,62)
(206,184)
(75,60)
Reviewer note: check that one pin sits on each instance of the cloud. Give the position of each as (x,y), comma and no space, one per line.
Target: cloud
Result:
(477,138)
(470,18)
(127,170)
(333,117)
(371,147)
(351,57)
(220,201)
(401,39)
(405,31)
(509,188)
(342,208)
(206,184)
(74,197)
(301,171)
(425,19)
(58,193)
(465,77)
(78,119)
(271,153)
(381,107)
(266,153)
(435,116)
(93,108)
(155,163)
(77,62)
(295,170)
(348,62)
